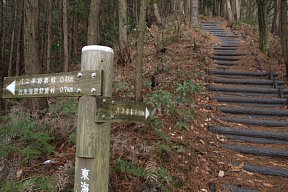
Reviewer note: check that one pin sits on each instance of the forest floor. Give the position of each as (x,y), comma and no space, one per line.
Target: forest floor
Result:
(172,152)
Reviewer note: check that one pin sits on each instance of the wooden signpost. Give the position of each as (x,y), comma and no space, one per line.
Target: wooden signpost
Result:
(96,111)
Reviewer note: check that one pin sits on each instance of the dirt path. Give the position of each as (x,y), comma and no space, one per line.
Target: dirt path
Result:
(248,115)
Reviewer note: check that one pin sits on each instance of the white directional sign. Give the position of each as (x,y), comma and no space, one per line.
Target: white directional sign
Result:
(110,110)
(54,85)
(12,87)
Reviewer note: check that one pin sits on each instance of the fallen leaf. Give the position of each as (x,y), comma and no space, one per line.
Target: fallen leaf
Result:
(19,174)
(268,185)
(221,173)
(202,141)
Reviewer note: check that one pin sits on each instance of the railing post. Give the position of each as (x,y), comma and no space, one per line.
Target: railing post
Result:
(93,139)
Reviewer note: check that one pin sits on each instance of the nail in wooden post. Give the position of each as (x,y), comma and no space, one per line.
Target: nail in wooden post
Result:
(93,139)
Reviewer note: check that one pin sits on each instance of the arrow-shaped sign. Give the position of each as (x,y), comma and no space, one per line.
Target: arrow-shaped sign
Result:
(110,110)
(147,113)
(12,87)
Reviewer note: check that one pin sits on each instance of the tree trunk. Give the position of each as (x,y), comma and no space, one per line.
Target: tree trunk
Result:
(263,26)
(187,7)
(3,35)
(31,54)
(123,39)
(94,23)
(10,68)
(1,61)
(217,8)
(276,18)
(187,11)
(238,8)
(194,13)
(140,48)
(157,15)
(229,14)
(233,7)
(19,43)
(49,33)
(65,36)
(284,32)
(181,7)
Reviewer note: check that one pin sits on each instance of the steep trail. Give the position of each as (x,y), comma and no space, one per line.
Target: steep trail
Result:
(248,111)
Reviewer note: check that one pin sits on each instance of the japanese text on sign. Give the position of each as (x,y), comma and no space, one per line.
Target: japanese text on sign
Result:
(84,179)
(71,84)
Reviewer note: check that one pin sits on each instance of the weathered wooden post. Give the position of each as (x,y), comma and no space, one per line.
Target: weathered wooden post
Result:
(93,139)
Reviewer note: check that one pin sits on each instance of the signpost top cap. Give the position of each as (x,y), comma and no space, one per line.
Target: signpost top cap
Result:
(97,48)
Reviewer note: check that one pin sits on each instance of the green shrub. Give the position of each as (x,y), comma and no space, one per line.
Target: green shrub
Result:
(123,166)
(27,138)
(16,186)
(182,124)
(161,99)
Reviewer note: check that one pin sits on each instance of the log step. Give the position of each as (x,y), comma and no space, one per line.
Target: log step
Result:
(229,45)
(218,33)
(253,100)
(226,63)
(225,51)
(226,41)
(233,188)
(213,29)
(209,25)
(257,122)
(252,111)
(249,133)
(228,54)
(225,58)
(246,90)
(255,140)
(246,82)
(245,73)
(225,48)
(257,150)
(256,105)
(239,76)
(231,36)
(264,170)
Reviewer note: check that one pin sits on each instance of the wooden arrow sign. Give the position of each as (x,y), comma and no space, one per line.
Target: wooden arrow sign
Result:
(70,84)
(110,110)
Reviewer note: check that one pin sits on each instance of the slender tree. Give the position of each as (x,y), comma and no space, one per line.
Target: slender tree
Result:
(19,48)
(157,15)
(263,25)
(275,29)
(65,36)
(123,38)
(140,47)
(1,59)
(194,13)
(31,55)
(238,8)
(284,32)
(10,68)
(94,23)
(49,34)
(229,14)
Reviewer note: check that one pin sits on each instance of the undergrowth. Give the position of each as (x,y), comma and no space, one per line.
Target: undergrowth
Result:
(25,137)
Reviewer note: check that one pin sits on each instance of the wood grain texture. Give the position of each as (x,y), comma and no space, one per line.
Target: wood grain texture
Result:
(93,139)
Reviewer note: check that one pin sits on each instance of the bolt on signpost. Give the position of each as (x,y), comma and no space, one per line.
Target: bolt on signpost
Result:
(96,111)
